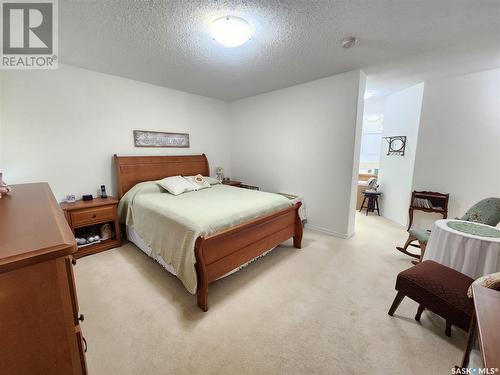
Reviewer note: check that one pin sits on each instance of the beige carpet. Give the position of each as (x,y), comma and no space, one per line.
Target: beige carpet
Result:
(319,310)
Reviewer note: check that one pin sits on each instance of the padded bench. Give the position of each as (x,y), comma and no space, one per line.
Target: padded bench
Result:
(439,289)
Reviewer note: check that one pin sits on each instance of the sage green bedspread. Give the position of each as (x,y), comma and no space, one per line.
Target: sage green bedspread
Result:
(171,224)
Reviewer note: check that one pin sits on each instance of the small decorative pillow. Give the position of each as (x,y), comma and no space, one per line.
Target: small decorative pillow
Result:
(198,182)
(176,185)
(491,281)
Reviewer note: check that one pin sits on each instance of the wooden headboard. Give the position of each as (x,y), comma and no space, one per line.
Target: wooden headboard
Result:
(134,169)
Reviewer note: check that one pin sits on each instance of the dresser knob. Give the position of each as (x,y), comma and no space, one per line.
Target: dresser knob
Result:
(81,318)
(73,261)
(94,216)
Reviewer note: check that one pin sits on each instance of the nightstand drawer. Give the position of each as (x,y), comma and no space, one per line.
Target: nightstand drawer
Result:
(92,215)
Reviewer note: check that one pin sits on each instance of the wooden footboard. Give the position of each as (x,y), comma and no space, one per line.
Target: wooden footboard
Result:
(224,251)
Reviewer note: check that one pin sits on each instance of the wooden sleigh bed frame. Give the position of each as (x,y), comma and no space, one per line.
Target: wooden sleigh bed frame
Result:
(224,251)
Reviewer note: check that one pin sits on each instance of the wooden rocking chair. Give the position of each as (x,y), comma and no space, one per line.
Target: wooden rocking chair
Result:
(486,211)
(419,235)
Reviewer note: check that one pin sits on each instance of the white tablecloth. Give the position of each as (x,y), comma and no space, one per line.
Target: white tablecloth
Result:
(472,255)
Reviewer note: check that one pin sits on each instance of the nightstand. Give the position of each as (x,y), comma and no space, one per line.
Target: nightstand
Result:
(85,217)
(232,183)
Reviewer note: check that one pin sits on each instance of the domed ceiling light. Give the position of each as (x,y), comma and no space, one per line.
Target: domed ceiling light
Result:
(231,31)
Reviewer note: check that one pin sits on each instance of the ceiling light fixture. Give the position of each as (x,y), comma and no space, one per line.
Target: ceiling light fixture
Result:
(349,42)
(231,31)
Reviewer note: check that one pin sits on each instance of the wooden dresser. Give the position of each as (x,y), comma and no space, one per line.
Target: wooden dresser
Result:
(484,326)
(39,317)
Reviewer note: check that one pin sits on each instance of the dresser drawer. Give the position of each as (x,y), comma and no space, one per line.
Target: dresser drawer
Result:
(92,215)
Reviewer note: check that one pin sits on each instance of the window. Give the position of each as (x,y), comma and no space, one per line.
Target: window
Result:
(371,143)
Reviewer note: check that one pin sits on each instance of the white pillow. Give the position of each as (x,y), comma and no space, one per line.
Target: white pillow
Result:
(176,185)
(198,181)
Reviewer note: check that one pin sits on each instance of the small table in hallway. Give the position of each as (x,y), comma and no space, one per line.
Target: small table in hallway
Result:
(372,196)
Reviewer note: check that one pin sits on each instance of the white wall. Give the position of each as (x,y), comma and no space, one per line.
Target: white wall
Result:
(358,132)
(459,139)
(401,117)
(63,126)
(304,140)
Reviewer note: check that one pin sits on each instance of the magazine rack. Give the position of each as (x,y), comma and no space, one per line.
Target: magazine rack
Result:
(428,201)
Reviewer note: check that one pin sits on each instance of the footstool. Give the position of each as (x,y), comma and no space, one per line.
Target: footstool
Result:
(439,289)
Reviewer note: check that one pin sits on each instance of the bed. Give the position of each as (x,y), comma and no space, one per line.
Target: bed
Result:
(204,234)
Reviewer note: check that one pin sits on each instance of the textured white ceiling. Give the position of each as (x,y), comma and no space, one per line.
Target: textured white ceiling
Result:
(166,42)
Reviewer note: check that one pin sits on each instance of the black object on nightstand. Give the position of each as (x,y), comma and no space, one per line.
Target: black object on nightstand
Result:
(103,192)
(249,187)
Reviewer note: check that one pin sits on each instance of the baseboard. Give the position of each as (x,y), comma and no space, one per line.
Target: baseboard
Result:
(345,236)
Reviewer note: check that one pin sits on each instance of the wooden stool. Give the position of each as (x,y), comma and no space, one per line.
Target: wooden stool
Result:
(372,196)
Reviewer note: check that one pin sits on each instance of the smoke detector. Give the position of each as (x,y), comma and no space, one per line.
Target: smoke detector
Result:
(349,42)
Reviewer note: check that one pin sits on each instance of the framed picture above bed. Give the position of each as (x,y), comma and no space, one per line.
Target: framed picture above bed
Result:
(148,138)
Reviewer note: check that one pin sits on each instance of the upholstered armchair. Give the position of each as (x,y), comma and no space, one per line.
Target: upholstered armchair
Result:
(486,211)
